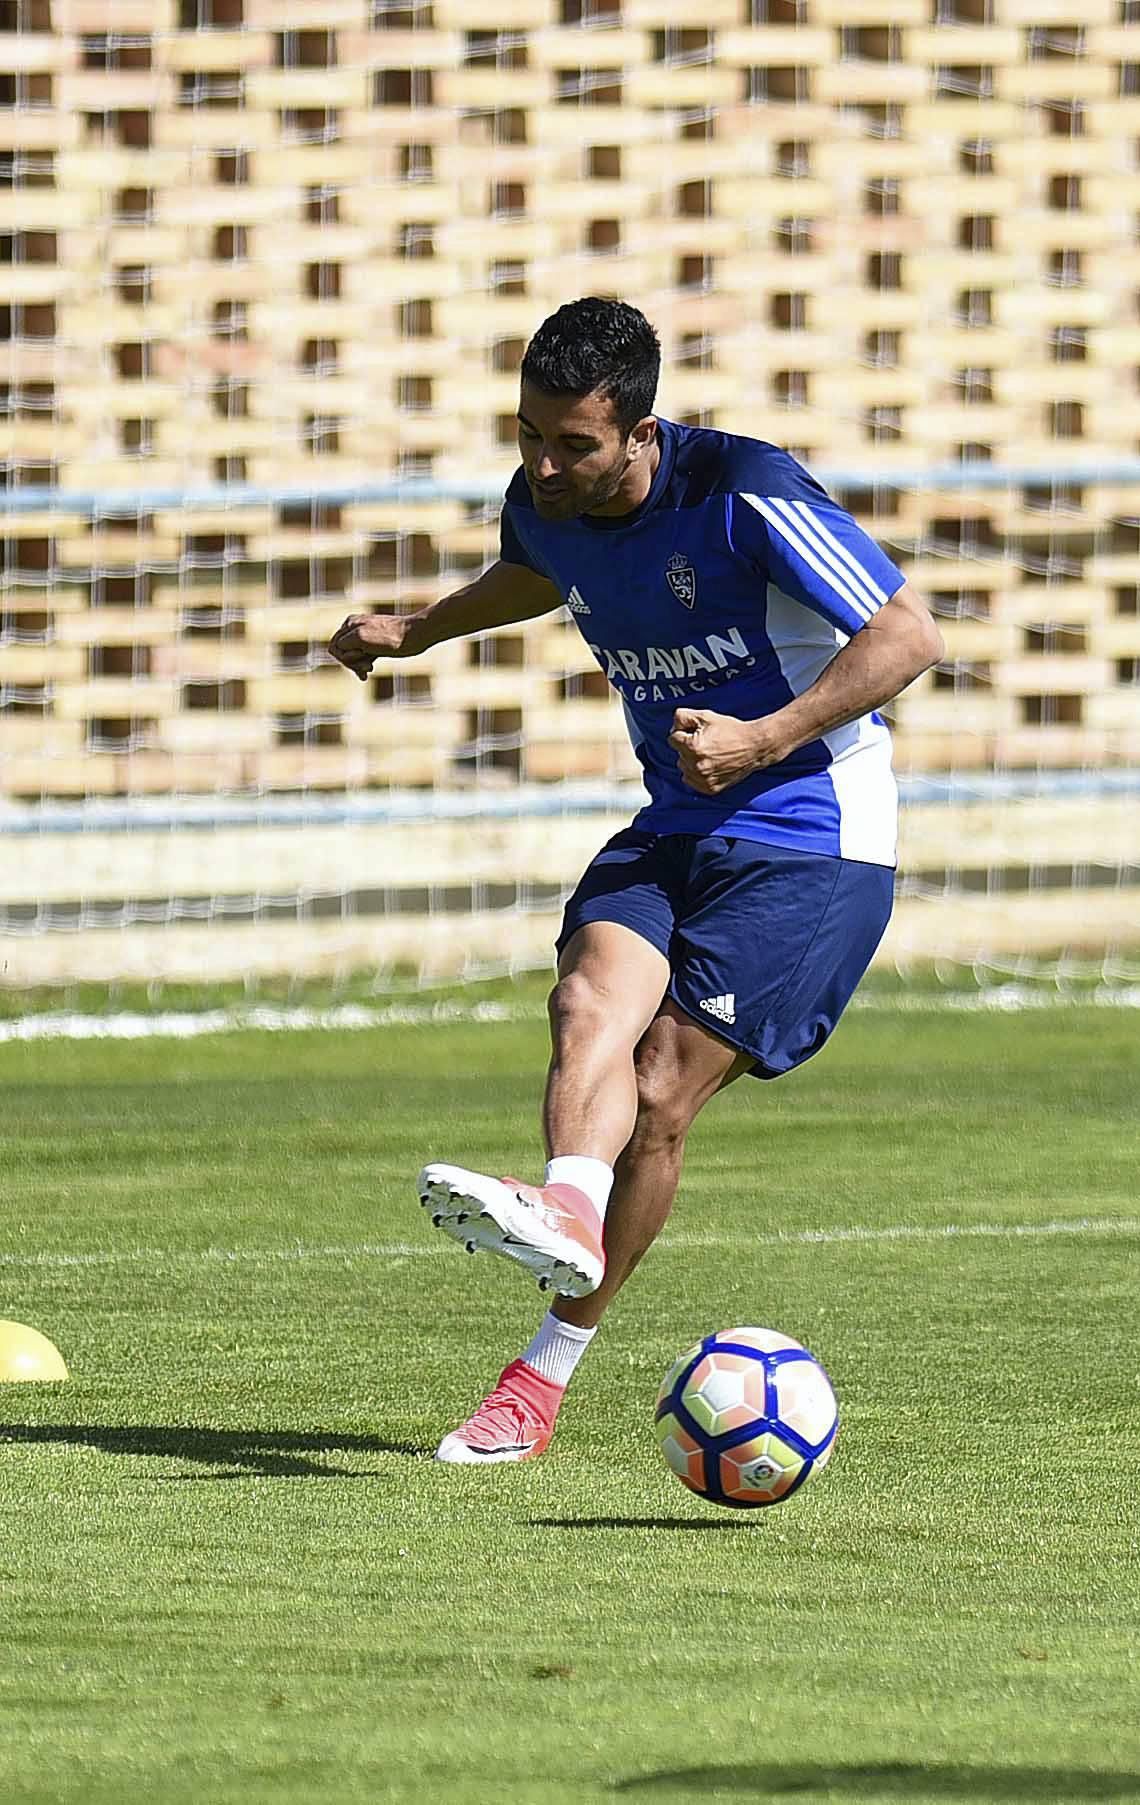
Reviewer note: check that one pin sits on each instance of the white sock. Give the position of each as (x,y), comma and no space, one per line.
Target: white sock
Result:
(590,1175)
(557,1348)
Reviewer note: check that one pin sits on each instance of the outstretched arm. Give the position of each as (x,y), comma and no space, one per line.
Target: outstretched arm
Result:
(897,644)
(504,593)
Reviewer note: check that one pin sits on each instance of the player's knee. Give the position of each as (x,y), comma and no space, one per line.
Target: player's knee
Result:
(575,1005)
(664,1109)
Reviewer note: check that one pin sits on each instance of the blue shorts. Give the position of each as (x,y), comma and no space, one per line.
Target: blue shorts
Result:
(765,946)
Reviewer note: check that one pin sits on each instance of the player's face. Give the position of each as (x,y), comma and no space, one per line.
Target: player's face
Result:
(576,458)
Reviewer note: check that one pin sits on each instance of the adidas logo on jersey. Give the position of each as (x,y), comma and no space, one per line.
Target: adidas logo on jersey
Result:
(576,602)
(724,1008)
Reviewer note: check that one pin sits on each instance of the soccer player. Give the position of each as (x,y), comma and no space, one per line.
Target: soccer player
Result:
(752,630)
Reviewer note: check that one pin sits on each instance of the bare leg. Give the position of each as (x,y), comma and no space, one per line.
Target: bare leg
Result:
(610,985)
(679,1066)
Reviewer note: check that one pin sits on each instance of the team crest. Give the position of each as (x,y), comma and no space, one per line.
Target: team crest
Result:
(682,579)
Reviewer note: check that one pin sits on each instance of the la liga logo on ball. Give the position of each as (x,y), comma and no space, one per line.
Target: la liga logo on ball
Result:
(745,1417)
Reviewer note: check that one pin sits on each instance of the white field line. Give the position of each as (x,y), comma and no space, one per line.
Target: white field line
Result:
(1002,999)
(679,1243)
(188,1024)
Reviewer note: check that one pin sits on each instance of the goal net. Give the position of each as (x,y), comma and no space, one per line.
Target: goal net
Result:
(268,272)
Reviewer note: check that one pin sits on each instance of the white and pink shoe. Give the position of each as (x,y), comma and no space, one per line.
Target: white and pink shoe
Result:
(555,1231)
(515,1422)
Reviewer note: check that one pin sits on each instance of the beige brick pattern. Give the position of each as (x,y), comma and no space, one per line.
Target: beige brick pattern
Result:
(294,246)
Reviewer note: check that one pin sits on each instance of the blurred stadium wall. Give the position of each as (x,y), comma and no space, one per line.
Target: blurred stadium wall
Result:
(268,270)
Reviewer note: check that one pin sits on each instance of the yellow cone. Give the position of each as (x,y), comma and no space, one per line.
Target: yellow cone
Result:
(26,1354)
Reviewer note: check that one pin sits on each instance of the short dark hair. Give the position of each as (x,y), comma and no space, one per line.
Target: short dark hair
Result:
(591,345)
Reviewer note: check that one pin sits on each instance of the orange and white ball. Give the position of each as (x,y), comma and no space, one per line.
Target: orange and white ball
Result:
(745,1417)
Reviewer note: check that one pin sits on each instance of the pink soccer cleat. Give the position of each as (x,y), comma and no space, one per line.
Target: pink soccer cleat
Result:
(553,1230)
(515,1422)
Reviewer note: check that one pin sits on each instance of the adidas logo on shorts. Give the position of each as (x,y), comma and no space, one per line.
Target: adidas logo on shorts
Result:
(724,1008)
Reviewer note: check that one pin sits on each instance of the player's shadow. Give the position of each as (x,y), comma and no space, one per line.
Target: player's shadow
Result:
(666,1523)
(235,1453)
(905,1780)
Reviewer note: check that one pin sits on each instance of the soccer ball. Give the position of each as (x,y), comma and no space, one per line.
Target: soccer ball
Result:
(745,1417)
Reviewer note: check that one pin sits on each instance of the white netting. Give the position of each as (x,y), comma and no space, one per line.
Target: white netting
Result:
(269,272)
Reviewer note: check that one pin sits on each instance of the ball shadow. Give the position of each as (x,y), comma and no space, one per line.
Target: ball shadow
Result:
(906,1780)
(666,1523)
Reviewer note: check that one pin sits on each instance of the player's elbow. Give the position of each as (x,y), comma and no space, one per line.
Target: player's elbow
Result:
(920,636)
(921,647)
(931,646)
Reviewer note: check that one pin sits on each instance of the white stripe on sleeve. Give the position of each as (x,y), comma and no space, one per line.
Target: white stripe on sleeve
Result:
(844,552)
(861,609)
(809,529)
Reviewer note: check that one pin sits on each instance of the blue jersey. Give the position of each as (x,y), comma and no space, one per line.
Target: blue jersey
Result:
(731,587)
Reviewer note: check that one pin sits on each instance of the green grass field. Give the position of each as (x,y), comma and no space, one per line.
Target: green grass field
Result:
(230,1571)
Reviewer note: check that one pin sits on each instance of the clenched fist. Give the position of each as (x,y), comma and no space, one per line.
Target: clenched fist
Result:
(715,751)
(363,638)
